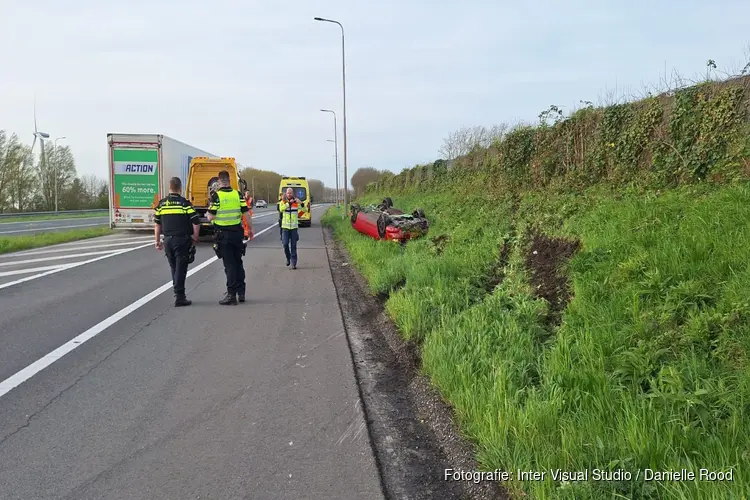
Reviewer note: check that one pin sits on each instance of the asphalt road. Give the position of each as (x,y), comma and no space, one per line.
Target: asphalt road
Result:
(108,392)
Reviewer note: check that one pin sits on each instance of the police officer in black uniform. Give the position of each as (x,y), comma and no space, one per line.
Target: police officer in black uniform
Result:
(178,221)
(226,212)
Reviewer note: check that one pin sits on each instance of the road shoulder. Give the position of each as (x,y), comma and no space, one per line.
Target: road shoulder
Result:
(412,429)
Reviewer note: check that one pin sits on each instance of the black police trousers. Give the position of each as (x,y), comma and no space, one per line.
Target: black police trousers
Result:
(230,247)
(176,248)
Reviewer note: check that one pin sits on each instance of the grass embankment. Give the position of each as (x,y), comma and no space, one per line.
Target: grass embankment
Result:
(587,325)
(18,243)
(33,218)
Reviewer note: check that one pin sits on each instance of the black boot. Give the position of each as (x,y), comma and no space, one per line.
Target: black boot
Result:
(182,301)
(228,300)
(241,297)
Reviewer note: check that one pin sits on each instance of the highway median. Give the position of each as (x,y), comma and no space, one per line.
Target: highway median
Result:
(50,216)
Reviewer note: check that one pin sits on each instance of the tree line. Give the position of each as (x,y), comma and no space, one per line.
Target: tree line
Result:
(459,143)
(28,185)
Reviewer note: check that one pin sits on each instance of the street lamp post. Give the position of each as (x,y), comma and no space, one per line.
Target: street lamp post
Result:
(337,197)
(343,85)
(336,147)
(56,162)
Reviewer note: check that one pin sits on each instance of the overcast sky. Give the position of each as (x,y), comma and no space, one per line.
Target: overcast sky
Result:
(247,78)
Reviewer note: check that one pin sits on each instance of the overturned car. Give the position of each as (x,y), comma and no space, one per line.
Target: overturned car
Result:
(383,222)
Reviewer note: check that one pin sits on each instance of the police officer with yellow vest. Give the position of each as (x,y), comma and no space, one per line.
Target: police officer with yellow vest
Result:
(173,218)
(289,207)
(226,212)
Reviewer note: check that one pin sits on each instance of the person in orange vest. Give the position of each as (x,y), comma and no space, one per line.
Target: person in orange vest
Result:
(249,227)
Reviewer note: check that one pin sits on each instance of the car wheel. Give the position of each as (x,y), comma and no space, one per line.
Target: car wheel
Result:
(355,210)
(419,213)
(388,202)
(383,221)
(213,185)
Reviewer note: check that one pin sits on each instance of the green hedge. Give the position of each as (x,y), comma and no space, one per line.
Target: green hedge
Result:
(696,134)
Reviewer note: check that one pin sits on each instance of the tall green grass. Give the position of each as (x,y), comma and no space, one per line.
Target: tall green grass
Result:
(649,368)
(33,218)
(26,242)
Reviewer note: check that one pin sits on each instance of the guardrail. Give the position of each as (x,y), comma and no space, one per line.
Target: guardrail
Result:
(59,212)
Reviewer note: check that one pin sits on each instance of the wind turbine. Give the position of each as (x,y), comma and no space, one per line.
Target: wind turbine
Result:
(41,136)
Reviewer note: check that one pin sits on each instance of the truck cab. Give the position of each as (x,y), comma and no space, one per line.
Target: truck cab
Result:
(203,181)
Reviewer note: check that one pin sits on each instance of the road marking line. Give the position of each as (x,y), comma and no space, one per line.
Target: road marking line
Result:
(23,375)
(51,228)
(30,270)
(69,249)
(105,239)
(58,257)
(261,216)
(71,266)
(109,238)
(255,235)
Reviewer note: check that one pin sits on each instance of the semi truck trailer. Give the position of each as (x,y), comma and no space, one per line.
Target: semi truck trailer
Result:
(140,166)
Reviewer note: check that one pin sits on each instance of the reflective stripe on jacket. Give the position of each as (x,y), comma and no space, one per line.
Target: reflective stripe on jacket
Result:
(289,211)
(175,215)
(229,208)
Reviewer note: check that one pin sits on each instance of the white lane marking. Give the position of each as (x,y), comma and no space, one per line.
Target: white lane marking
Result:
(255,235)
(18,378)
(262,215)
(31,270)
(55,228)
(109,239)
(26,373)
(70,249)
(105,239)
(57,257)
(71,266)
(53,220)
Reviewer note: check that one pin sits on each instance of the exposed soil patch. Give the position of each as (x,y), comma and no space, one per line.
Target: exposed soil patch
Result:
(545,258)
(412,430)
(496,273)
